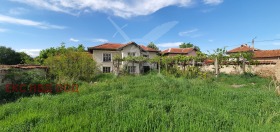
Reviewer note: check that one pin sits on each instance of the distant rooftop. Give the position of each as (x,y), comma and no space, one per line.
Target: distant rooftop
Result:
(242,48)
(118,46)
(178,50)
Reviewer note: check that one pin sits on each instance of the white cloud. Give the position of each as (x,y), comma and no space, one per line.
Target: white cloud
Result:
(74,40)
(169,44)
(211,40)
(213,2)
(100,40)
(31,52)
(3,30)
(121,8)
(188,32)
(18,11)
(26,22)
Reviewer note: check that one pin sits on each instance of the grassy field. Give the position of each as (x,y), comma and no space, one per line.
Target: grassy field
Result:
(151,103)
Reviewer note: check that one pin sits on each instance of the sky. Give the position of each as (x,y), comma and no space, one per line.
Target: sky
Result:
(33,25)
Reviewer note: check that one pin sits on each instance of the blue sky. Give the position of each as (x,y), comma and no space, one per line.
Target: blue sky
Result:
(32,25)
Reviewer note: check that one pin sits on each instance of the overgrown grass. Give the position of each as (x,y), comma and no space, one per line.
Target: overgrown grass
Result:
(150,103)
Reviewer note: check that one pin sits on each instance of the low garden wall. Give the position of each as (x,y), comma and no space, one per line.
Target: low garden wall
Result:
(262,70)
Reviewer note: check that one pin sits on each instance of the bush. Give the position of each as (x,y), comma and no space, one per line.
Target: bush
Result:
(72,66)
(17,77)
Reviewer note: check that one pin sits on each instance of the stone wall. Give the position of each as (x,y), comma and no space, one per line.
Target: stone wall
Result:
(262,70)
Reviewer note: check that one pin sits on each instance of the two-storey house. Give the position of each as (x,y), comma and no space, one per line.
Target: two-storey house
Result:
(103,54)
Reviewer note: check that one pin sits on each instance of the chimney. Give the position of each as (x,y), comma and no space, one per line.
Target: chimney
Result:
(169,49)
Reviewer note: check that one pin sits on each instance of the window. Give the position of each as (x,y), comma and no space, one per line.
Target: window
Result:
(106,57)
(106,69)
(131,53)
(147,56)
(131,69)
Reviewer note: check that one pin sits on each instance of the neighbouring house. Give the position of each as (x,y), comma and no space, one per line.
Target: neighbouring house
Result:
(179,51)
(269,56)
(103,54)
(242,48)
(263,56)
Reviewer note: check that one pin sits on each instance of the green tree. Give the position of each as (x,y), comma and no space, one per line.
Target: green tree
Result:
(8,56)
(152,45)
(72,66)
(220,57)
(157,60)
(241,58)
(189,45)
(25,58)
(81,48)
(117,62)
(44,54)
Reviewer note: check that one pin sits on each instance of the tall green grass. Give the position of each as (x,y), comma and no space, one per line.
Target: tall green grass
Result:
(150,103)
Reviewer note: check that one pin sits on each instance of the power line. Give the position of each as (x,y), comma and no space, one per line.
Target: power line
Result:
(247,42)
(265,40)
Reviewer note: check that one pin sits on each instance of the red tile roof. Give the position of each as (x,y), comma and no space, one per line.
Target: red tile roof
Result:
(257,53)
(117,46)
(112,46)
(178,50)
(242,48)
(267,53)
(209,61)
(148,49)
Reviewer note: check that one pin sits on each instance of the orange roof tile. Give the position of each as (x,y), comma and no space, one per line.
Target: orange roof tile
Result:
(116,46)
(148,49)
(177,50)
(108,46)
(242,48)
(266,53)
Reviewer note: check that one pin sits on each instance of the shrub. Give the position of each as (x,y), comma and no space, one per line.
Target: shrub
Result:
(18,77)
(72,66)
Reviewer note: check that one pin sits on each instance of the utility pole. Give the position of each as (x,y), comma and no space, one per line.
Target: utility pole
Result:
(253,43)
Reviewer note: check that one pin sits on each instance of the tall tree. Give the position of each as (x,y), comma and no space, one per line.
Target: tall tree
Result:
(220,57)
(72,66)
(186,45)
(25,58)
(8,56)
(152,45)
(117,62)
(44,54)
(189,45)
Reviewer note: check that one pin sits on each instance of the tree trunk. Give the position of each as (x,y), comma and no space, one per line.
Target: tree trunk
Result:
(118,68)
(159,67)
(184,66)
(243,66)
(133,65)
(166,66)
(193,62)
(216,67)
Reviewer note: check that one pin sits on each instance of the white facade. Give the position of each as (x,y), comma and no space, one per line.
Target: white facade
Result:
(131,49)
